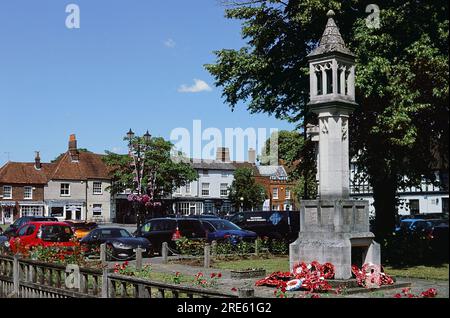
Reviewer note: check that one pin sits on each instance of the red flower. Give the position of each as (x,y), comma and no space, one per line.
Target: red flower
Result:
(219,275)
(430,293)
(315,296)
(397,296)
(213,275)
(283,289)
(234,289)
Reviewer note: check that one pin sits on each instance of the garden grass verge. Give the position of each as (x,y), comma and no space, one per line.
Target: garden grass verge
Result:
(271,265)
(438,272)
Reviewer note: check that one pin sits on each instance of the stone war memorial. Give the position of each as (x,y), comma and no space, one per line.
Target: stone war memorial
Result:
(333,228)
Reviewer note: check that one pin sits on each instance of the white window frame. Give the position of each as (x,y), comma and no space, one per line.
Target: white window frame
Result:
(204,189)
(30,192)
(61,190)
(178,190)
(96,188)
(188,188)
(10,192)
(275,192)
(97,205)
(224,187)
(288,193)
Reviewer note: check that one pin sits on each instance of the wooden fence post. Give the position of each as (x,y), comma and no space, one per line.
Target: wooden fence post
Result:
(16,276)
(165,252)
(207,256)
(103,253)
(214,248)
(139,259)
(105,271)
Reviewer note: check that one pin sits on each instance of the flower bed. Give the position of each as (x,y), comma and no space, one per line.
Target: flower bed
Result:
(314,278)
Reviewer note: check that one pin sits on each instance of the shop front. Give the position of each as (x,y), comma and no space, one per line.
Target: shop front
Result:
(8,209)
(31,208)
(67,210)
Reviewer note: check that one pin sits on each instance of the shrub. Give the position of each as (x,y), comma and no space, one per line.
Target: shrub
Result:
(190,247)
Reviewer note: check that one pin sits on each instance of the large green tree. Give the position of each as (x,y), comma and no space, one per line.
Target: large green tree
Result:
(244,192)
(401,126)
(161,173)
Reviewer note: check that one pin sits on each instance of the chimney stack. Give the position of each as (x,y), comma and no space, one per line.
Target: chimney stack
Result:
(37,161)
(252,156)
(73,149)
(223,154)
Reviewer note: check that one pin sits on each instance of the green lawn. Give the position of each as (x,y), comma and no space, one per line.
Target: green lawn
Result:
(282,264)
(426,272)
(270,265)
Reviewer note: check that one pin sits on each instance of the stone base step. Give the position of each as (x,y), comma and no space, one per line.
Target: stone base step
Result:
(361,290)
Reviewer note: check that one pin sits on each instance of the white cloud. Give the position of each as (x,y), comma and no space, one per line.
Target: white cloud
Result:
(199,86)
(170,43)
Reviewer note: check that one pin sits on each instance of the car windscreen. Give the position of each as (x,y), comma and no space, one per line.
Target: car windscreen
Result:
(114,233)
(56,233)
(223,225)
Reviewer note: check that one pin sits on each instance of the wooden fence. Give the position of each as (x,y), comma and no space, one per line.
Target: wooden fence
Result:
(24,278)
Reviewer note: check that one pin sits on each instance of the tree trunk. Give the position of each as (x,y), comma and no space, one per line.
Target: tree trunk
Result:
(386,204)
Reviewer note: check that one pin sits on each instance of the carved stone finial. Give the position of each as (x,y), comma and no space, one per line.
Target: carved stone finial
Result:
(330,13)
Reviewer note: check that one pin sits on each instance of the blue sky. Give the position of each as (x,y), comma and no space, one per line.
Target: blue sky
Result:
(129,65)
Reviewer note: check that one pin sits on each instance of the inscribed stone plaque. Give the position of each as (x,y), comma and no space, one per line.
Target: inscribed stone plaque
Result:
(348,215)
(327,215)
(311,217)
(360,216)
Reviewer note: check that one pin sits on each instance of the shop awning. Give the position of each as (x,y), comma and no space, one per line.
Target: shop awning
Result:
(31,203)
(8,203)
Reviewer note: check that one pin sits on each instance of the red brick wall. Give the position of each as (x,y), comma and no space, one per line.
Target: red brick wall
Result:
(18,191)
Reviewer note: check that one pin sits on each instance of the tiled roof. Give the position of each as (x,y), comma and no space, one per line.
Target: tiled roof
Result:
(272,171)
(247,165)
(25,173)
(212,165)
(331,40)
(88,166)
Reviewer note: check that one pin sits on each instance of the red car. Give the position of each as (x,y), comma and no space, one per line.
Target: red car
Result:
(32,234)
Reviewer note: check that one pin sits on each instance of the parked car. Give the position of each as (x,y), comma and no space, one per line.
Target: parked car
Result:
(222,230)
(81,228)
(34,234)
(25,219)
(169,230)
(410,226)
(202,216)
(120,244)
(271,224)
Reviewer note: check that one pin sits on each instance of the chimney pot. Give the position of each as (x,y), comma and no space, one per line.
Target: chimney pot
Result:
(37,161)
(73,149)
(252,156)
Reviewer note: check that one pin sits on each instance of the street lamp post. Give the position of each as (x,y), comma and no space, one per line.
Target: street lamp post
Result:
(242,204)
(137,151)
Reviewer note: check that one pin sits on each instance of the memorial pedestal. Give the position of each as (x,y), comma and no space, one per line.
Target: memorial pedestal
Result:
(333,231)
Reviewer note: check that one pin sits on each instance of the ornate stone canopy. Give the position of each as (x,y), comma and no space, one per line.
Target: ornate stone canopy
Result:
(331,41)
